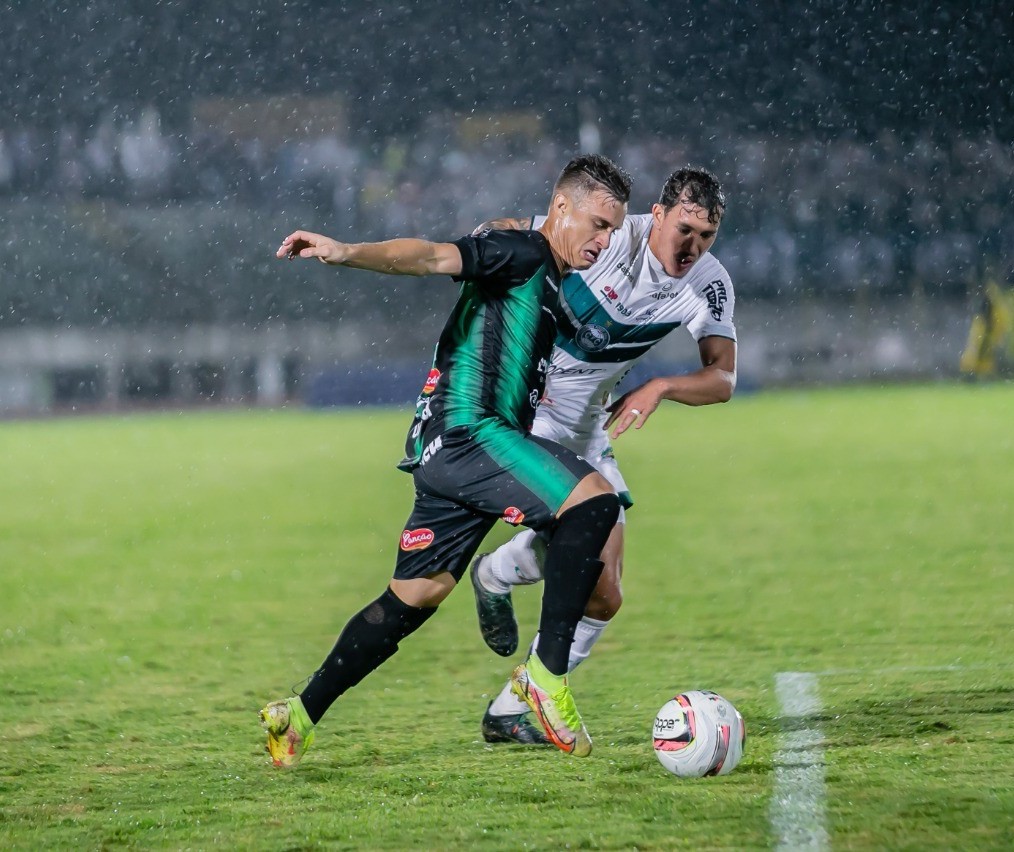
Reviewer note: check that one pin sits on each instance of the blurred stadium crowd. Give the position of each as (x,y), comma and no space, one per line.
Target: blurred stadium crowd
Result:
(864,147)
(807,214)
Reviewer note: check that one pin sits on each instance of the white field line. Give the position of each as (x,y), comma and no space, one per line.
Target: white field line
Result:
(914,669)
(797,808)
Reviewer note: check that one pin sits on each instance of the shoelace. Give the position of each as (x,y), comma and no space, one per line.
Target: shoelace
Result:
(564,700)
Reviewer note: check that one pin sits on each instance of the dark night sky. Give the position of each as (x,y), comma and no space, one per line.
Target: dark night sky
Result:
(775,66)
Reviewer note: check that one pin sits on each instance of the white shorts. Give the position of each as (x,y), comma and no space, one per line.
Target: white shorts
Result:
(596,450)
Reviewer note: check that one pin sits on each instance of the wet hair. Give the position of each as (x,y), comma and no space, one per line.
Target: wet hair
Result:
(593,172)
(700,187)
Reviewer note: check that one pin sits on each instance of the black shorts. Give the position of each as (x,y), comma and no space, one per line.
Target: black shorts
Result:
(469,478)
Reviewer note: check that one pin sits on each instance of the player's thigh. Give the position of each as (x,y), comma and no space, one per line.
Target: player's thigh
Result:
(599,451)
(596,449)
(439,536)
(501,472)
(547,470)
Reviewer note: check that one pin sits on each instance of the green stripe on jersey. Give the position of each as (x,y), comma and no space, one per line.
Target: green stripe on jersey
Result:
(521,319)
(492,354)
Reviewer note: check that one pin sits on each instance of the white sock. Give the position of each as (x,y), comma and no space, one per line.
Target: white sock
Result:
(586,634)
(507,703)
(514,563)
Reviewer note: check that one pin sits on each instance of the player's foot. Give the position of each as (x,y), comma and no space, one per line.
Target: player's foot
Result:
(515,728)
(550,698)
(496,613)
(290,731)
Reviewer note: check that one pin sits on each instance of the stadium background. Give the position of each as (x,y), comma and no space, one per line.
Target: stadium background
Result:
(152,155)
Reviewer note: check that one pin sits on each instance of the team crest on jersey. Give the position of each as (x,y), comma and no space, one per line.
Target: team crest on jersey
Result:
(592,338)
(513,515)
(416,539)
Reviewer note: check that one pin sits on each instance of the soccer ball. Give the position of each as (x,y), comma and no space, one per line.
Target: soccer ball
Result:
(698,733)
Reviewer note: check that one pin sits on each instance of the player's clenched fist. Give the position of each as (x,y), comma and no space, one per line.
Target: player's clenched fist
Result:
(308,244)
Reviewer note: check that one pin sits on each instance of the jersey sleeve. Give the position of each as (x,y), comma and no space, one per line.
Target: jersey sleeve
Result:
(496,261)
(717,307)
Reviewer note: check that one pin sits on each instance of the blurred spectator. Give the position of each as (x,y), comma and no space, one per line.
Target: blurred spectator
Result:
(806,213)
(146,156)
(6,164)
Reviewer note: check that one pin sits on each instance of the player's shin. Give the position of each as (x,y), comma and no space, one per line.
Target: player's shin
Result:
(370,637)
(572,571)
(586,634)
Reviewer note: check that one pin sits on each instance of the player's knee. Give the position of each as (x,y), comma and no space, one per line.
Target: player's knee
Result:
(426,592)
(597,515)
(592,500)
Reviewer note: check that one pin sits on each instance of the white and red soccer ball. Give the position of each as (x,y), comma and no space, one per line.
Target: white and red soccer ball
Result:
(698,733)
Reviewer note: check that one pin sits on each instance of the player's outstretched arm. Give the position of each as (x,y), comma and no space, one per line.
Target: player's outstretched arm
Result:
(394,257)
(714,382)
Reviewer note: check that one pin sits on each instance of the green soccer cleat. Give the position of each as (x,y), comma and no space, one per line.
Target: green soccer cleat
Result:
(290,731)
(551,700)
(497,623)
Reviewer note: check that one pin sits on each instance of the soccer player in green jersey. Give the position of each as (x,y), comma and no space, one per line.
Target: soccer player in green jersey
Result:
(472,455)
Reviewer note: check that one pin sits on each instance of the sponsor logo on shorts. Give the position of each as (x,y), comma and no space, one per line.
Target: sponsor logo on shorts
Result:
(533,398)
(416,539)
(513,515)
(431,381)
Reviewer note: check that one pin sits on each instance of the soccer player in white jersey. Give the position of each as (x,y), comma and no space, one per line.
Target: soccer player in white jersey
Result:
(656,275)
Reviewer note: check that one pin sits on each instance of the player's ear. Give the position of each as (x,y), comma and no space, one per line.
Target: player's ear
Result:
(657,213)
(561,204)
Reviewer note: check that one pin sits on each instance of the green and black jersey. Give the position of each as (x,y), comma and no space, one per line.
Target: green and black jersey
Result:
(493,354)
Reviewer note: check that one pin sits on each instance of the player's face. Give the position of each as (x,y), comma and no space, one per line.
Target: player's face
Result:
(680,236)
(587,222)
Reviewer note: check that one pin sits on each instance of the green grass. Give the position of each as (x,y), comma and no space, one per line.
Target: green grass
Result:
(162,576)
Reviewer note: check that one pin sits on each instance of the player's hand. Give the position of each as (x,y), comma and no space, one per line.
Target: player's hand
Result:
(633,409)
(308,244)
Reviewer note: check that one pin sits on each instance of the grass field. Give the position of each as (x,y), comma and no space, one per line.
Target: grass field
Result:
(162,576)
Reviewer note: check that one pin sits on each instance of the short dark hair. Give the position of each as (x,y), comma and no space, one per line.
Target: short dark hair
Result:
(591,172)
(701,187)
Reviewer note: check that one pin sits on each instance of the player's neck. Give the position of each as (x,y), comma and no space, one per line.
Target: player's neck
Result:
(548,230)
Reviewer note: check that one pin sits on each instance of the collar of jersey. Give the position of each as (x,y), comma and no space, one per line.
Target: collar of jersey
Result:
(658,275)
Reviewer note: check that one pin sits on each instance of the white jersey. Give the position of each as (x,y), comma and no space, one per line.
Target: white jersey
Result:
(613,313)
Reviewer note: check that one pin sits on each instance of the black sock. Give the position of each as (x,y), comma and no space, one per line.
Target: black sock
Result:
(370,637)
(572,570)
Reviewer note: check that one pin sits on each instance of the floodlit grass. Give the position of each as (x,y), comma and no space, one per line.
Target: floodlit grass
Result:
(161,577)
